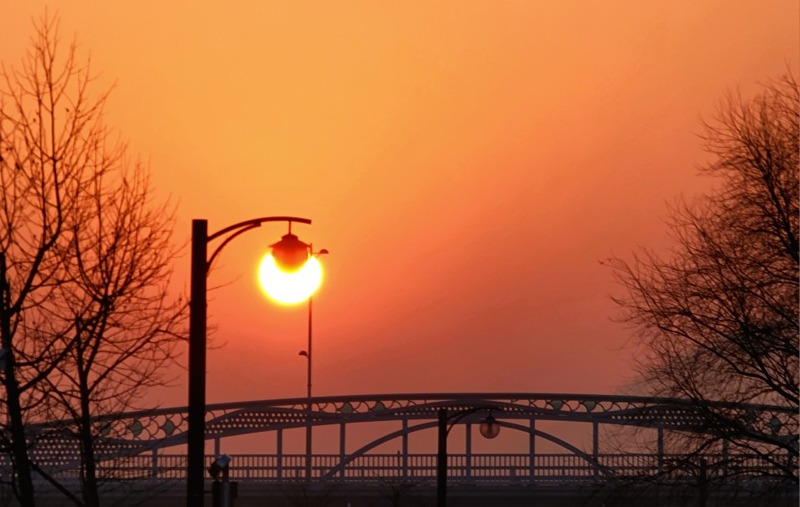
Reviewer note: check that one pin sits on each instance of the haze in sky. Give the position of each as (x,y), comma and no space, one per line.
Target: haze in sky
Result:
(467,164)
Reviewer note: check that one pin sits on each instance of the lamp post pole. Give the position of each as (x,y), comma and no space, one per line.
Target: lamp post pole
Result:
(441,460)
(308,395)
(200,264)
(489,428)
(197,365)
(308,355)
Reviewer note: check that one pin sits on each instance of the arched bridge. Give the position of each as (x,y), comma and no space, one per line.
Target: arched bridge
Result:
(151,444)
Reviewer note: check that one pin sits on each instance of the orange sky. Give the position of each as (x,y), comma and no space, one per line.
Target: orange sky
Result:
(467,163)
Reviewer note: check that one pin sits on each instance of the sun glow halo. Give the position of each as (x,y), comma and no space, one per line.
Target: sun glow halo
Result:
(289,288)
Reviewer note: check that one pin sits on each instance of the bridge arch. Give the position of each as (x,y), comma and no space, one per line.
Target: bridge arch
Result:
(423,426)
(146,433)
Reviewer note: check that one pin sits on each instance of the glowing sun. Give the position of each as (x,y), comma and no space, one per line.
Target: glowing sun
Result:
(289,288)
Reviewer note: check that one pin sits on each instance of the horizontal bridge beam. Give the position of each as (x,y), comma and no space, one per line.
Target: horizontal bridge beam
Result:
(483,468)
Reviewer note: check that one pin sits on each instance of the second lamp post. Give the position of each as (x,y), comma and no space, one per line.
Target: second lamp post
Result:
(307,354)
(489,428)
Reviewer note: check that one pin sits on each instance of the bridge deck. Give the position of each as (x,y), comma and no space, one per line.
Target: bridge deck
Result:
(421,468)
(143,445)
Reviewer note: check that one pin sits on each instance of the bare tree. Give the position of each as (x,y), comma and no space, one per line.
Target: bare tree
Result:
(718,319)
(86,318)
(125,326)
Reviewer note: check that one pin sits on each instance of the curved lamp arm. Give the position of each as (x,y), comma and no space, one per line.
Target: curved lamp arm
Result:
(453,419)
(241,228)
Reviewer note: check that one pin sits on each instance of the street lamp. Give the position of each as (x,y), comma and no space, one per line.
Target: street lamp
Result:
(290,286)
(489,428)
(307,354)
(290,255)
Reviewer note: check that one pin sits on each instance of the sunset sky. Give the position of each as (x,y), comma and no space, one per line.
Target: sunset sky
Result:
(467,163)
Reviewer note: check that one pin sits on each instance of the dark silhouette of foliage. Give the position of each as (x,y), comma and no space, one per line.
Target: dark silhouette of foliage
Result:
(87,321)
(718,318)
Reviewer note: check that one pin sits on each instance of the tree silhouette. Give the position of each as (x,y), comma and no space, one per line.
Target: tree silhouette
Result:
(85,259)
(718,319)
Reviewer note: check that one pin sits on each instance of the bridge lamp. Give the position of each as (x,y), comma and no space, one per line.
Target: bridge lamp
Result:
(490,428)
(289,273)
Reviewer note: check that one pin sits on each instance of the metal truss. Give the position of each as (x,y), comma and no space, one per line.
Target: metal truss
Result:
(148,432)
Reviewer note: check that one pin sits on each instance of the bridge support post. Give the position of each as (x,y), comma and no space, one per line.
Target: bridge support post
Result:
(342,453)
(441,460)
(702,489)
(405,449)
(468,447)
(595,450)
(532,450)
(279,452)
(660,450)
(725,452)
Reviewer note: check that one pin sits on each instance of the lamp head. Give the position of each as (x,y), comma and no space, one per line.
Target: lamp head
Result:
(490,428)
(290,253)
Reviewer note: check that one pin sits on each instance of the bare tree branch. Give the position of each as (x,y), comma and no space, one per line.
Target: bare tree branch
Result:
(86,257)
(718,319)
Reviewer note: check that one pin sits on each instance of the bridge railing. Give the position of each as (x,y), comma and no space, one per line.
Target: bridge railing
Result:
(475,468)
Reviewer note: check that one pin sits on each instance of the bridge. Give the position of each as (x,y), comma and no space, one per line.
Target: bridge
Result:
(148,447)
